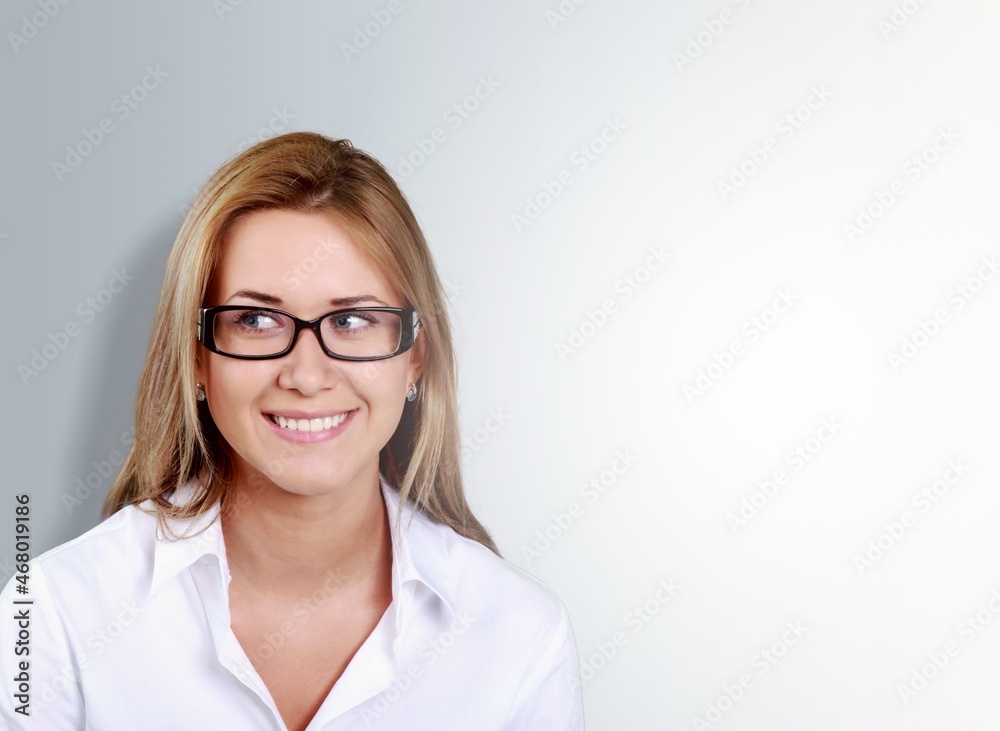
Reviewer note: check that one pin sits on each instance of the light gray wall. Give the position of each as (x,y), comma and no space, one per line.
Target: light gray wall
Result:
(881,89)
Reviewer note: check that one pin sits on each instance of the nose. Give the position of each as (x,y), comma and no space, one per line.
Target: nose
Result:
(307,368)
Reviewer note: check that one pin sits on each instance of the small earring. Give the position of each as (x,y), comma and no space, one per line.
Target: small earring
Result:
(199,392)
(411,393)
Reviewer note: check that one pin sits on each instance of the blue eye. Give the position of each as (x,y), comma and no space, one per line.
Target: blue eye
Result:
(255,320)
(360,319)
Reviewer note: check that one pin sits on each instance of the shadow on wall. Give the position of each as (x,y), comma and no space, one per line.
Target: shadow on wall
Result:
(103,418)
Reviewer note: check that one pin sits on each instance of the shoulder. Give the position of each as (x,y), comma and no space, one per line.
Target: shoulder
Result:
(475,580)
(98,571)
(128,536)
(519,633)
(122,551)
(486,575)
(96,581)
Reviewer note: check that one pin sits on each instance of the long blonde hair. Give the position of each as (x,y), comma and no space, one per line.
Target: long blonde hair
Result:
(176,438)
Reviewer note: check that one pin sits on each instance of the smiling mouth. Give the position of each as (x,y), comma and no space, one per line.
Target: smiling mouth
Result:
(309,425)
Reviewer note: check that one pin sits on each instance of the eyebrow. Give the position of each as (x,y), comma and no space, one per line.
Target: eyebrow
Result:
(270,299)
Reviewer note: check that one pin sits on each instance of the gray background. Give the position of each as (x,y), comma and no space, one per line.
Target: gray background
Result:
(517,290)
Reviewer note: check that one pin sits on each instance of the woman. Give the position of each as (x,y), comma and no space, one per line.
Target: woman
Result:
(289,546)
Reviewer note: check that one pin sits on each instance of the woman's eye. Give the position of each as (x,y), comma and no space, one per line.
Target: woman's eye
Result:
(345,321)
(258,321)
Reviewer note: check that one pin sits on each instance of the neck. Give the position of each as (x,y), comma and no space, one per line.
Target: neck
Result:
(287,545)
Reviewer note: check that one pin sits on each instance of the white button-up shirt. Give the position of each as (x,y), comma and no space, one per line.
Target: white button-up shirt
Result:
(129,631)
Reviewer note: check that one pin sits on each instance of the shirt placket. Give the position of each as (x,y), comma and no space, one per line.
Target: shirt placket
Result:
(214,590)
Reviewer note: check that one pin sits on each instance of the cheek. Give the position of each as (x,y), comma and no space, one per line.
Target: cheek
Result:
(231,388)
(383,391)
(379,380)
(385,415)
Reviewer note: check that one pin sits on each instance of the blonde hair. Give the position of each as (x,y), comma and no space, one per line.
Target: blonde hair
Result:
(175,436)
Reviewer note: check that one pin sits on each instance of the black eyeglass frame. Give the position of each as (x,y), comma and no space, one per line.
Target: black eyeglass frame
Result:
(407,335)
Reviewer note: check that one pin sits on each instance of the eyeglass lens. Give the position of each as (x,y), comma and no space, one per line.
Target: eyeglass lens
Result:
(358,333)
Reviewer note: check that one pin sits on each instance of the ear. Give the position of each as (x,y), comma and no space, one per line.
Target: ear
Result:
(417,355)
(199,364)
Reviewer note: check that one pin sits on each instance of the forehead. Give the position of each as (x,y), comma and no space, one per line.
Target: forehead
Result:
(305,259)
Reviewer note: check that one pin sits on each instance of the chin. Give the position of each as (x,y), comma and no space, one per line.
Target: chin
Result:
(309,484)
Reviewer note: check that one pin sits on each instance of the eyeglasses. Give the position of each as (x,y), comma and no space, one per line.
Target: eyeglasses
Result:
(258,333)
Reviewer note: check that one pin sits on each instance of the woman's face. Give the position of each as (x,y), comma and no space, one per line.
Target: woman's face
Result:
(300,262)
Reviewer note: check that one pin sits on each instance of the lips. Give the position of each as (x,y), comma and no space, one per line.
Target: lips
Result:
(303,421)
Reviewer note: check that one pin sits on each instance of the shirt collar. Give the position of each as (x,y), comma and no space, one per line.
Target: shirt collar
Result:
(172,555)
(419,547)
(420,554)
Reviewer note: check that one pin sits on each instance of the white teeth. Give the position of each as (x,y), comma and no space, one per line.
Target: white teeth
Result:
(318,424)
